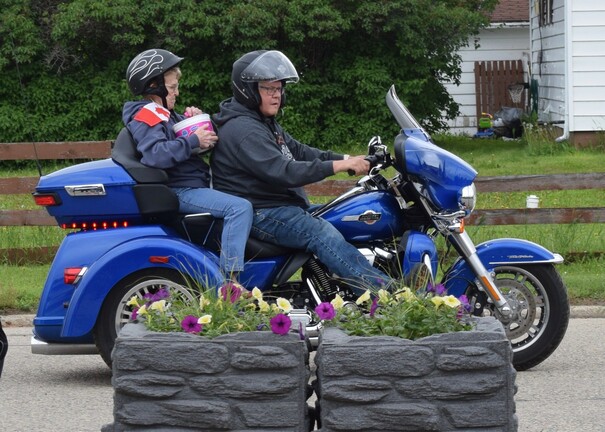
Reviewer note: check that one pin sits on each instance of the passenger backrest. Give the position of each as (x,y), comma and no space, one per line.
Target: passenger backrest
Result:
(124,152)
(154,198)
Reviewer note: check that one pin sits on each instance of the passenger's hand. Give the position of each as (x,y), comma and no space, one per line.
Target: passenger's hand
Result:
(356,165)
(192,111)
(206,137)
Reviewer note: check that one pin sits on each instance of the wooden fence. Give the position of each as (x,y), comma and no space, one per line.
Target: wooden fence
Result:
(492,80)
(520,216)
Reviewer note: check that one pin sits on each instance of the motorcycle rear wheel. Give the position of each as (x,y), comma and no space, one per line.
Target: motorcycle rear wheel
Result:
(540,306)
(115,313)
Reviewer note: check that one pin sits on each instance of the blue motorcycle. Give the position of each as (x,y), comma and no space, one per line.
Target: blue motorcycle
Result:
(129,239)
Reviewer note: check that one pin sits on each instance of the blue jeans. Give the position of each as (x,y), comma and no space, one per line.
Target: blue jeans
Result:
(237,218)
(296,228)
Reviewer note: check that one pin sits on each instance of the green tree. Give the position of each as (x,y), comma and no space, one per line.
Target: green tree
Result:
(63,62)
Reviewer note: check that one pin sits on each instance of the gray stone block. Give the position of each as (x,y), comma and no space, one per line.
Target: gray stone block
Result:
(245,382)
(445,382)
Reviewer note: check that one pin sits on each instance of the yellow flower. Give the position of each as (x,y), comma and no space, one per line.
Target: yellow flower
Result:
(142,310)
(263,306)
(203,302)
(159,305)
(451,301)
(274,307)
(337,302)
(383,296)
(363,298)
(437,300)
(134,301)
(205,319)
(284,304)
(405,294)
(257,294)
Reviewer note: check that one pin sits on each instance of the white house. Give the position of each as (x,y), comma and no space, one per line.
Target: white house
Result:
(508,39)
(568,65)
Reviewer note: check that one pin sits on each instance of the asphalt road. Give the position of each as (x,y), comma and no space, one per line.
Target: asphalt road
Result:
(566,393)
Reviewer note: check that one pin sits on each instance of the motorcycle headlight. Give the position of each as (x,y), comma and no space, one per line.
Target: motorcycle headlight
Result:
(468,198)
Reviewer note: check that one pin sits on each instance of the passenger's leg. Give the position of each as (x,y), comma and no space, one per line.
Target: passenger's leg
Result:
(237,216)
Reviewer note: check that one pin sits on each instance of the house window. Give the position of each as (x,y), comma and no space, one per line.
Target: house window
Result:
(545,12)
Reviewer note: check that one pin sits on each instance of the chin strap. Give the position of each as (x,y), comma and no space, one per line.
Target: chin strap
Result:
(159,90)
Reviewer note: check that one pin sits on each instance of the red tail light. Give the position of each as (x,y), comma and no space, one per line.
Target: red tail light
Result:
(95,225)
(47,199)
(72,275)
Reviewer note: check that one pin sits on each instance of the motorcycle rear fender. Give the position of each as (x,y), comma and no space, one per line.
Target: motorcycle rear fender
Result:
(498,252)
(416,245)
(128,258)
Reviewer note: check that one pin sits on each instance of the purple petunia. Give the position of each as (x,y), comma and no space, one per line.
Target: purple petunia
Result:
(465,303)
(280,324)
(231,292)
(438,289)
(160,294)
(134,314)
(374,307)
(190,324)
(325,311)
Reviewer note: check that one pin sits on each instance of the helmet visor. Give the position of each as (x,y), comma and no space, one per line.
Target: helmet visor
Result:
(270,66)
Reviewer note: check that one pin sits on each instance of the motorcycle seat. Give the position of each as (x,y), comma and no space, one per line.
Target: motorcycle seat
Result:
(205,231)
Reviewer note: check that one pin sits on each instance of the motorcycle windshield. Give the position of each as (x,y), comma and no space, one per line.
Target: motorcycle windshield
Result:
(442,174)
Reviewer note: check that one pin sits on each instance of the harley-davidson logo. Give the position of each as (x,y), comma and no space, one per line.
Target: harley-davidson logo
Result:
(368,217)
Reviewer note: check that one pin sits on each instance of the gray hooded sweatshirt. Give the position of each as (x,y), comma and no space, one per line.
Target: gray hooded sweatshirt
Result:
(257,160)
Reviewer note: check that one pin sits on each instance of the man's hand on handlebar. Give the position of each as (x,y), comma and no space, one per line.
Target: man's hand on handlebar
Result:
(354,165)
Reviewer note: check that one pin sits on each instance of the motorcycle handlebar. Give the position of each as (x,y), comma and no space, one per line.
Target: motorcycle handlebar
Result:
(374,161)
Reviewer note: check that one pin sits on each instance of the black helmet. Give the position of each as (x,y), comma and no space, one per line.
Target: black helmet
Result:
(257,66)
(147,67)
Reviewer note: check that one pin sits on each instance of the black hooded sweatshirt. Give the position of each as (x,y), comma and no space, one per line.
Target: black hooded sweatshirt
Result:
(257,160)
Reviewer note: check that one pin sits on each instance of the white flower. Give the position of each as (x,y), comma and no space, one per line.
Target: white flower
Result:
(284,304)
(337,302)
(203,302)
(383,296)
(437,300)
(451,301)
(263,306)
(257,294)
(142,310)
(363,298)
(205,319)
(159,305)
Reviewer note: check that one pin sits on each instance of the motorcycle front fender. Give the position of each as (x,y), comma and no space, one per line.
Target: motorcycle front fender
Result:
(125,259)
(498,252)
(416,246)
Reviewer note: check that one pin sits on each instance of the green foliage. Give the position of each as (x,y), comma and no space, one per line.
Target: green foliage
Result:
(211,315)
(402,314)
(63,62)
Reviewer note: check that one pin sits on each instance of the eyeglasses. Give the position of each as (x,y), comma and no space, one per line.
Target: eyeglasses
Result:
(271,91)
(172,88)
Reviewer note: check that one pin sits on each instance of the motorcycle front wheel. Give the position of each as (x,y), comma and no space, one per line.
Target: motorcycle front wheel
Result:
(115,313)
(538,298)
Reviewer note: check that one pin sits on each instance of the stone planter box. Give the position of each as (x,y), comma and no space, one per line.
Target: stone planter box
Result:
(454,381)
(252,381)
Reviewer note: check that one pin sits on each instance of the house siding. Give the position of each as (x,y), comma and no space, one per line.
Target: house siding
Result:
(548,63)
(587,56)
(497,43)
(568,62)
